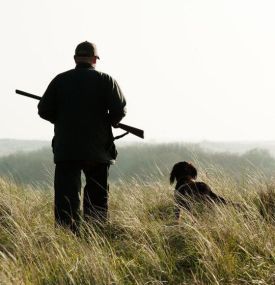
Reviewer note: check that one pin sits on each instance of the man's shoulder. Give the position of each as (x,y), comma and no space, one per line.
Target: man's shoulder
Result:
(62,75)
(65,73)
(100,74)
(105,76)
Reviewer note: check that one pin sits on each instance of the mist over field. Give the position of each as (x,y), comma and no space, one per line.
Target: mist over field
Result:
(145,161)
(11,146)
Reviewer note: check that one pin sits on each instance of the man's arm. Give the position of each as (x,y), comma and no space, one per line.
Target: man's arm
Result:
(116,102)
(47,104)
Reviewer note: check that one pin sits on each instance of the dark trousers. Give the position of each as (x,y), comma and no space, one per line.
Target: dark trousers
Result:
(67,188)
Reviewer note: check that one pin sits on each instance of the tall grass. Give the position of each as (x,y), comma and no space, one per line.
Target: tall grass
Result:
(141,243)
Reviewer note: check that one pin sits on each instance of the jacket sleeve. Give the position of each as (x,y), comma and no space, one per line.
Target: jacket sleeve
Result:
(47,105)
(116,102)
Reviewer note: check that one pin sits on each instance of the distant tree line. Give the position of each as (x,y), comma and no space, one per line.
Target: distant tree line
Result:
(142,161)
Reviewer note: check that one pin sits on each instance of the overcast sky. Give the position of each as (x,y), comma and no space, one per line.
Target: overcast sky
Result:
(190,69)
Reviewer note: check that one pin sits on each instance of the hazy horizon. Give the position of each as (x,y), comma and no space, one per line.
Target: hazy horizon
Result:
(191,71)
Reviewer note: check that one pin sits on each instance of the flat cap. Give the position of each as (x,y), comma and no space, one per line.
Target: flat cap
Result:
(86,49)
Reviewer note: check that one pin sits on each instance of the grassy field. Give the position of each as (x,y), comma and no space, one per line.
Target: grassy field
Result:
(141,243)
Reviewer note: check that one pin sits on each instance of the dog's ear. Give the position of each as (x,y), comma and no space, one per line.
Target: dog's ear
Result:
(172,176)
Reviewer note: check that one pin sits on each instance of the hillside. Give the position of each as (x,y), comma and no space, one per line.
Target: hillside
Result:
(141,243)
(10,146)
(145,162)
(239,147)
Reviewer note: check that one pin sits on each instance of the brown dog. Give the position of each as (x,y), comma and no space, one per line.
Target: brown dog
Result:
(187,189)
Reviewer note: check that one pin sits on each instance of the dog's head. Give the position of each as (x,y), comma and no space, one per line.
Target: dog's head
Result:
(183,169)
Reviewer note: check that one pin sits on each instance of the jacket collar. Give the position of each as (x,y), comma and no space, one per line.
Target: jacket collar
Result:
(84,65)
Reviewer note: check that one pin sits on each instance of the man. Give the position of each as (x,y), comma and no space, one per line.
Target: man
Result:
(83,104)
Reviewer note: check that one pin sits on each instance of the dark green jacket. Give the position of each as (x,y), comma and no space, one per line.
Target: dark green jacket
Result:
(83,103)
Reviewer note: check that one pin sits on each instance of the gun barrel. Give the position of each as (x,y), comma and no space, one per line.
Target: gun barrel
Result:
(135,131)
(20,92)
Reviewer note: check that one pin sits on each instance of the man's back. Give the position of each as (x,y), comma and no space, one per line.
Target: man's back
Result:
(83,103)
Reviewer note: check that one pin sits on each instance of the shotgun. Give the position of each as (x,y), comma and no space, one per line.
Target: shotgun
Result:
(129,129)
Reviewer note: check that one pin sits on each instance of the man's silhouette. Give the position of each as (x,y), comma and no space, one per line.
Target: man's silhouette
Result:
(83,104)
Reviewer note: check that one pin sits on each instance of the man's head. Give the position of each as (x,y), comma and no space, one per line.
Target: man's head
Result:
(86,52)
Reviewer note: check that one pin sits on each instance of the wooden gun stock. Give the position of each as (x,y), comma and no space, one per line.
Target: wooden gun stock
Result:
(134,131)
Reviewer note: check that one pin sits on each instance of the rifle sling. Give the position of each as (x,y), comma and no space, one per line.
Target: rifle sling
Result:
(121,136)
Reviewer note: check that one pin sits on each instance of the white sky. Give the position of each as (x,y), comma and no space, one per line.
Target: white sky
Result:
(190,69)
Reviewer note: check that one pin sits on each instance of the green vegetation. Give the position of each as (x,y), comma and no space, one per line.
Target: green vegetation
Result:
(141,244)
(9,146)
(28,167)
(148,162)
